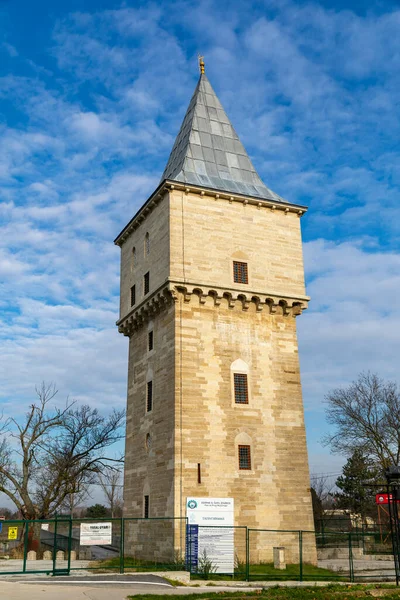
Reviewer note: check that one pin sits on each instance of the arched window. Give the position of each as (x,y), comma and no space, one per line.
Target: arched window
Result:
(240,384)
(147,244)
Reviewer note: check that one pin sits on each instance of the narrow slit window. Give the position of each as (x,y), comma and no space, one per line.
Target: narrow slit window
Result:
(146,508)
(240,272)
(244,458)
(146,283)
(133,257)
(241,389)
(149,399)
(133,295)
(151,340)
(147,244)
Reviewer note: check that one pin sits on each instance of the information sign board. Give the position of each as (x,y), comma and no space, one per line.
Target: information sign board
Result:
(192,547)
(95,534)
(384,499)
(13,533)
(214,537)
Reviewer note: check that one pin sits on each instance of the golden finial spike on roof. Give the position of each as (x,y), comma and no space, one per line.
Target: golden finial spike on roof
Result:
(201,64)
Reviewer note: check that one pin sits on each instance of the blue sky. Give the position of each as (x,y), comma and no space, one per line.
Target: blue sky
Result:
(92,95)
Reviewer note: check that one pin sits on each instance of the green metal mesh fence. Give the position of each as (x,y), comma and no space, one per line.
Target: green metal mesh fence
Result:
(63,545)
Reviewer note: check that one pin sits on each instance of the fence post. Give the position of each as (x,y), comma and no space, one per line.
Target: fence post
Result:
(69,543)
(351,566)
(247,555)
(301,554)
(55,543)
(26,539)
(122,547)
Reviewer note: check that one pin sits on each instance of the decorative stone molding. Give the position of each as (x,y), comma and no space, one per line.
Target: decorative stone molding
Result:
(272,303)
(152,305)
(171,291)
(143,212)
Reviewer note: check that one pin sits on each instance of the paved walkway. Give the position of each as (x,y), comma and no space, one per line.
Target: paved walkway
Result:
(118,587)
(15,565)
(368,569)
(100,590)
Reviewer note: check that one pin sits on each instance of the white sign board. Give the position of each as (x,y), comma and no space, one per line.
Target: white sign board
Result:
(93,534)
(215,519)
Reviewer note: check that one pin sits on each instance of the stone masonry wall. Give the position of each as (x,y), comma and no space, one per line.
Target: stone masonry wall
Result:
(274,494)
(208,234)
(133,267)
(198,344)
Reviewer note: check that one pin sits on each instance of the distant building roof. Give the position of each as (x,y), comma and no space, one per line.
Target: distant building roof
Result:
(207,151)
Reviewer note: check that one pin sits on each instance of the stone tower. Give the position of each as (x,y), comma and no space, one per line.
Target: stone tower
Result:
(211,284)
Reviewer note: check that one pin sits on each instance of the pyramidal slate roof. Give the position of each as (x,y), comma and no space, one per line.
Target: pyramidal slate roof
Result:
(207,151)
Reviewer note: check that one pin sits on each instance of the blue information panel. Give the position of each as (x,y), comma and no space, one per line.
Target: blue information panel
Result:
(192,547)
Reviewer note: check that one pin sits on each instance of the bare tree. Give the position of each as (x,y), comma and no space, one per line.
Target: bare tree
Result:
(323,489)
(366,415)
(322,499)
(73,501)
(110,481)
(54,453)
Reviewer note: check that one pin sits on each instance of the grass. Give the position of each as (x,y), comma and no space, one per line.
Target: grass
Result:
(258,572)
(267,572)
(292,572)
(329,592)
(133,564)
(175,582)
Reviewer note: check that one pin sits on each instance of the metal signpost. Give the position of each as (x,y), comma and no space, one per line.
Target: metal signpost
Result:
(393,490)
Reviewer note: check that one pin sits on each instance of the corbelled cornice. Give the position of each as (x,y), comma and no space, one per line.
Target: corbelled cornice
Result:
(237,299)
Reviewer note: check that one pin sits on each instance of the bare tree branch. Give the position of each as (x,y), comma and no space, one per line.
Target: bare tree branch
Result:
(110,482)
(366,416)
(57,453)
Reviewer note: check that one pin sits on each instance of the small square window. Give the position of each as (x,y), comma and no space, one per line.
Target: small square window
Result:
(149,399)
(146,283)
(241,390)
(151,340)
(244,458)
(146,508)
(133,295)
(240,273)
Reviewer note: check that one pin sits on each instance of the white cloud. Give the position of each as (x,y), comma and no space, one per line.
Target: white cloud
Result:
(10,49)
(354,319)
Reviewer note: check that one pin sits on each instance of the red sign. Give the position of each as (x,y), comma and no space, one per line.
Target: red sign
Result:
(384,499)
